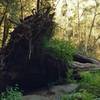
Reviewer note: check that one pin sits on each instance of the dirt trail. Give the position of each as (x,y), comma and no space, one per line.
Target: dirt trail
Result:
(54,93)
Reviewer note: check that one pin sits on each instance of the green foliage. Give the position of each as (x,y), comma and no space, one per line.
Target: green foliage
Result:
(89,88)
(91,77)
(14,13)
(60,49)
(12,8)
(81,95)
(11,94)
(91,82)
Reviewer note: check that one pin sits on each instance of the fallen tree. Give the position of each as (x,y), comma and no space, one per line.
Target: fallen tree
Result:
(85,66)
(84,63)
(23,60)
(84,59)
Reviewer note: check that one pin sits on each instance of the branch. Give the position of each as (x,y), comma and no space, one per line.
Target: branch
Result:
(13,22)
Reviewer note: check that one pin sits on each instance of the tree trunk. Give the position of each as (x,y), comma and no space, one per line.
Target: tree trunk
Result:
(84,59)
(6,31)
(85,66)
(22,14)
(38,5)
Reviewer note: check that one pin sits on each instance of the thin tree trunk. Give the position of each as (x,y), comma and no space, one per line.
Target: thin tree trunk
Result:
(2,19)
(94,17)
(78,21)
(38,5)
(6,31)
(22,14)
(92,26)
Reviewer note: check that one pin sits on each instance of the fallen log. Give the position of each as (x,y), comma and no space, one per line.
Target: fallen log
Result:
(85,66)
(80,67)
(84,59)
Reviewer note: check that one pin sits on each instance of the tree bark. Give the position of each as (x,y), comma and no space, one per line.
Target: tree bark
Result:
(85,66)
(22,14)
(84,59)
(84,63)
(38,5)
(6,31)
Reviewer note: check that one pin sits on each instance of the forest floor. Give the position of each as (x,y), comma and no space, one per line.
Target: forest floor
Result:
(88,88)
(53,93)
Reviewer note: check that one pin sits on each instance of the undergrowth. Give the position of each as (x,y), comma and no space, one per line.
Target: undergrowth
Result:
(89,88)
(91,82)
(81,95)
(61,49)
(11,94)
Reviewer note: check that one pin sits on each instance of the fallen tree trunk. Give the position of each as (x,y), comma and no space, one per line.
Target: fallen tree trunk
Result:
(84,63)
(84,59)
(92,65)
(23,60)
(85,66)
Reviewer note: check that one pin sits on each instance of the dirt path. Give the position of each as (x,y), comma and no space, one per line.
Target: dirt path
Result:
(54,93)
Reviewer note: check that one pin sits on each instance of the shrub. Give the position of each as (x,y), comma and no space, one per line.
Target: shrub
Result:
(91,82)
(89,88)
(81,95)
(11,94)
(61,49)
